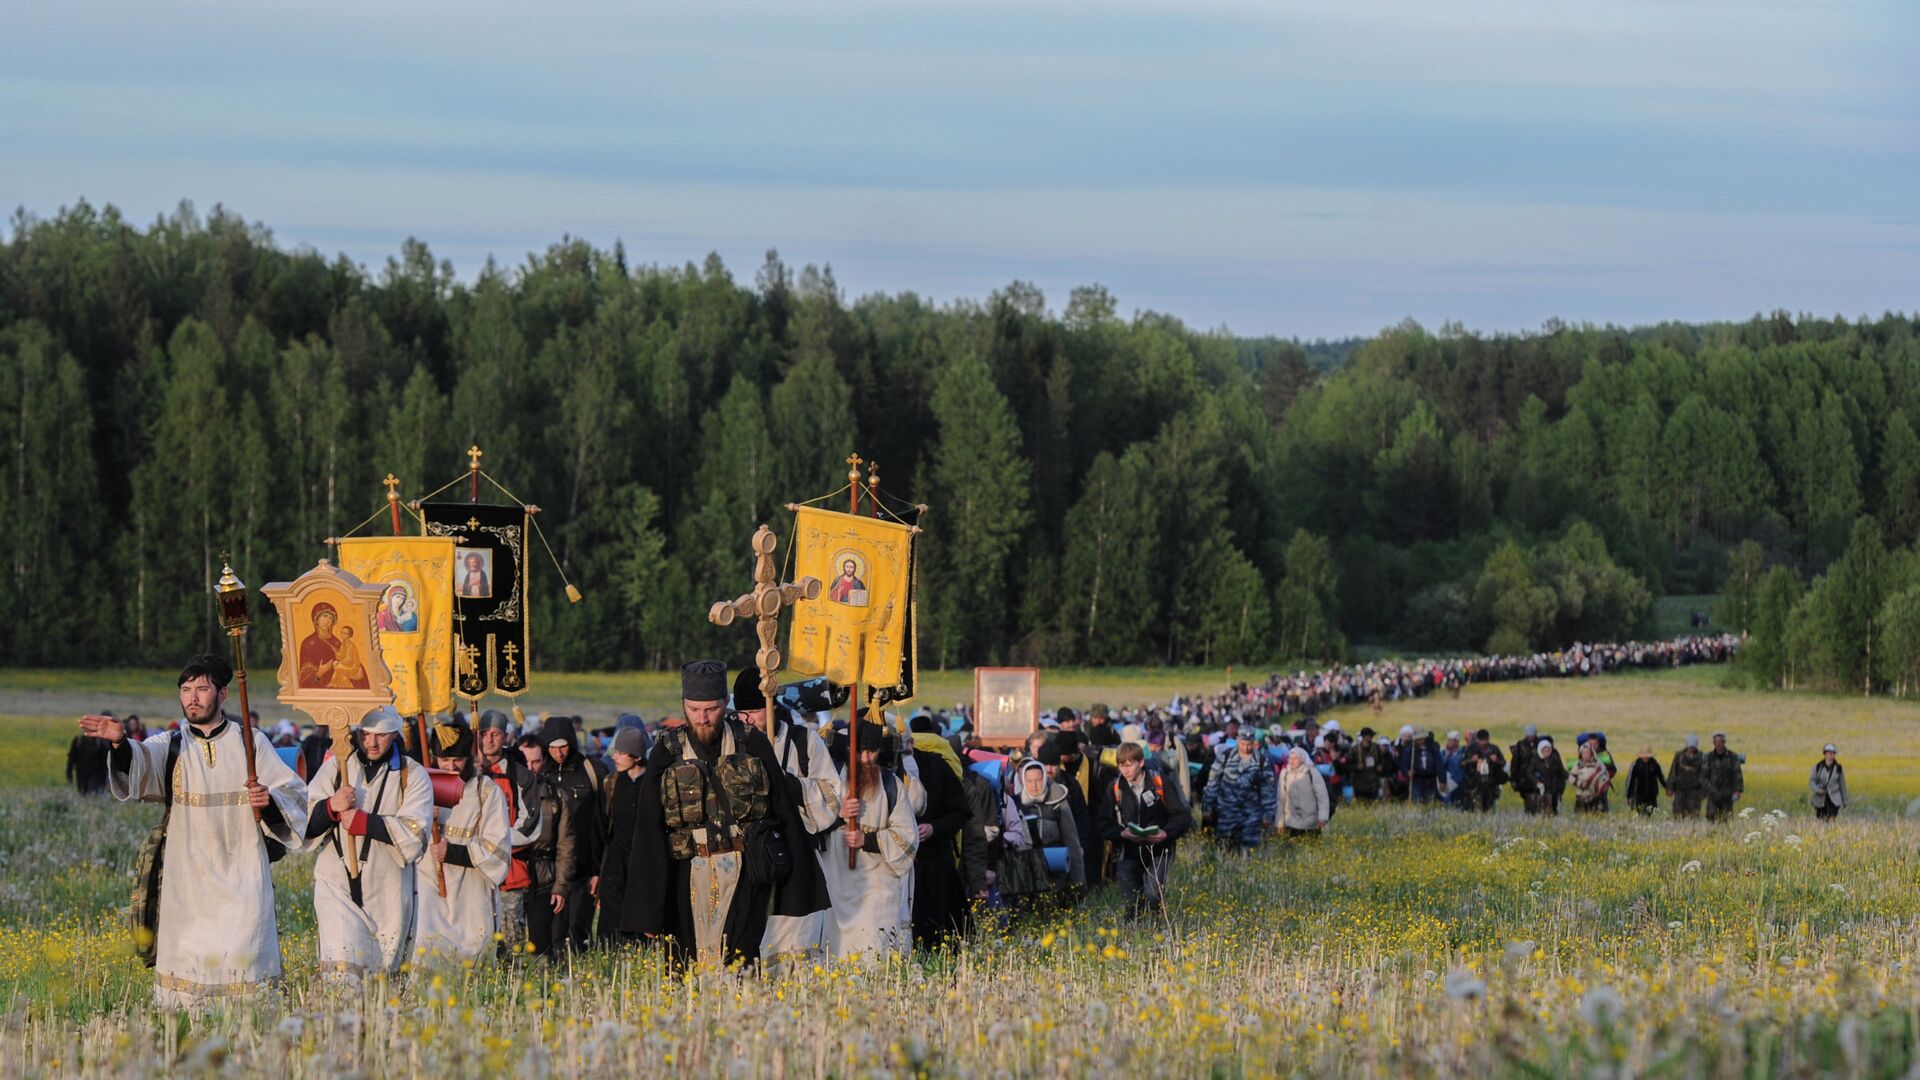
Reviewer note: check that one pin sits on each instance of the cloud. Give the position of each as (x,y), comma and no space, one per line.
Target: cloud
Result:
(1311,168)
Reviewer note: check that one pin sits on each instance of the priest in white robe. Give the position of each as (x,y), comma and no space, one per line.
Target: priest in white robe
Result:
(872,907)
(472,852)
(216,936)
(366,922)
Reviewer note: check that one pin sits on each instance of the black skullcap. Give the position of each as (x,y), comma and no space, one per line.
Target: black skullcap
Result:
(1049,753)
(452,740)
(217,671)
(1063,715)
(746,691)
(703,680)
(921,725)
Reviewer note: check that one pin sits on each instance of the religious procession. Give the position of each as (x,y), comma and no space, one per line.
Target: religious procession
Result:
(830,818)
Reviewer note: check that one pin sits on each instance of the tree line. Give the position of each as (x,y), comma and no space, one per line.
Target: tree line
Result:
(1104,488)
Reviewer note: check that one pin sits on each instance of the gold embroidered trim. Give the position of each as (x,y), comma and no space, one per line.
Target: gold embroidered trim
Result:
(188,986)
(218,798)
(409,824)
(462,835)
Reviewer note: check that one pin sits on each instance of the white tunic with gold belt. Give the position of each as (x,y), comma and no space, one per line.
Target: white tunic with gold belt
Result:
(871,903)
(460,925)
(373,932)
(216,932)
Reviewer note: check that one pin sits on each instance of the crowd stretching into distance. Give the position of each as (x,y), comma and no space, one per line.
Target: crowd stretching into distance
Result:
(700,835)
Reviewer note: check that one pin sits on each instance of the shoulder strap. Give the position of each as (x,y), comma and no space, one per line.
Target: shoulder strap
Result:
(173,757)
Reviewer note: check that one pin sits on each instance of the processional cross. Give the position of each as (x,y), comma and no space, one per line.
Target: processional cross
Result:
(763,605)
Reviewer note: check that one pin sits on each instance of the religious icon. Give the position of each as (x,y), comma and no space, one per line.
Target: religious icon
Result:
(399,611)
(473,573)
(1006,704)
(849,587)
(328,657)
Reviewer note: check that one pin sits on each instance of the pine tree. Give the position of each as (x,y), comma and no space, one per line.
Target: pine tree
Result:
(980,484)
(1110,605)
(811,415)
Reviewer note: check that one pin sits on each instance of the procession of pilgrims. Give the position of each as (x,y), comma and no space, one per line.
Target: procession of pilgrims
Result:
(714,843)
(739,832)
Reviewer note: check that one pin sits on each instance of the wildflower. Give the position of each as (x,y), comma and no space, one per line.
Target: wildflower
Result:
(1747,812)
(1793,839)
(291,1027)
(1675,924)
(1750,838)
(1601,1006)
(1462,986)
(1691,866)
(1518,950)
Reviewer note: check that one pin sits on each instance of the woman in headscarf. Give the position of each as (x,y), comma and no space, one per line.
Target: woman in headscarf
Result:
(1304,805)
(1591,779)
(1829,784)
(1052,859)
(1547,780)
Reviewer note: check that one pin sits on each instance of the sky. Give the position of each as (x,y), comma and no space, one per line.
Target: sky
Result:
(1298,169)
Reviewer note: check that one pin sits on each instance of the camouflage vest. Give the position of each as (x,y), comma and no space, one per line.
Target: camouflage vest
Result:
(710,805)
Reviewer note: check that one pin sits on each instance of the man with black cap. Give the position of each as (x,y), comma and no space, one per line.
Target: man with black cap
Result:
(571,778)
(797,928)
(939,893)
(215,936)
(472,853)
(620,808)
(501,761)
(871,913)
(711,813)
(365,922)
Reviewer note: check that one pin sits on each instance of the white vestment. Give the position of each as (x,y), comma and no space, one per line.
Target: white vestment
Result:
(872,903)
(216,932)
(795,938)
(375,934)
(460,925)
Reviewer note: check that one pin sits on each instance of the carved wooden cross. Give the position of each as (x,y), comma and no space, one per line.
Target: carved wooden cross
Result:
(763,605)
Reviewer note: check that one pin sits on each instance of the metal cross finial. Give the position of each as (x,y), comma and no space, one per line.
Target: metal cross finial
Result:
(763,605)
(473,457)
(393,483)
(853,468)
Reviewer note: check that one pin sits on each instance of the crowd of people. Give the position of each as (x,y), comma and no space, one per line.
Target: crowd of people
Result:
(741,830)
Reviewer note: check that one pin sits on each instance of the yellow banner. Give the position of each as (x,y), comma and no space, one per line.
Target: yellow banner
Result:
(857,629)
(415,621)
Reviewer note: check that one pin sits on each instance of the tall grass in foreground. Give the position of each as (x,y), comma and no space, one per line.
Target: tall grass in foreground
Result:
(1405,941)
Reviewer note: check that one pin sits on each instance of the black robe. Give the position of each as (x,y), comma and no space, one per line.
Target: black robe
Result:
(805,890)
(659,900)
(939,896)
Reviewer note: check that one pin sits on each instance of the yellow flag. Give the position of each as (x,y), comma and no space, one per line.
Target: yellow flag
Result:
(415,621)
(857,630)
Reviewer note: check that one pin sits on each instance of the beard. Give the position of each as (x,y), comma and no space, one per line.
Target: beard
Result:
(211,716)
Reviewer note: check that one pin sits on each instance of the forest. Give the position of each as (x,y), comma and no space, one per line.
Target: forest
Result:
(1104,488)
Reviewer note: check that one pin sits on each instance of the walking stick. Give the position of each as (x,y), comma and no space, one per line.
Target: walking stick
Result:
(232,594)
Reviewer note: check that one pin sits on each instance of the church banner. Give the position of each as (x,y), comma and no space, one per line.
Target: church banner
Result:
(416,613)
(489,594)
(859,630)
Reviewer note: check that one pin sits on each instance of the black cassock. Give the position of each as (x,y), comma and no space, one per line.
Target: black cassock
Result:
(659,900)
(939,895)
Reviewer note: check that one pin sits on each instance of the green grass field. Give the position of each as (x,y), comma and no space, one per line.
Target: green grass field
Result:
(1405,942)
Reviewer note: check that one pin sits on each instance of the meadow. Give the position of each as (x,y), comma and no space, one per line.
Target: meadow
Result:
(1404,942)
